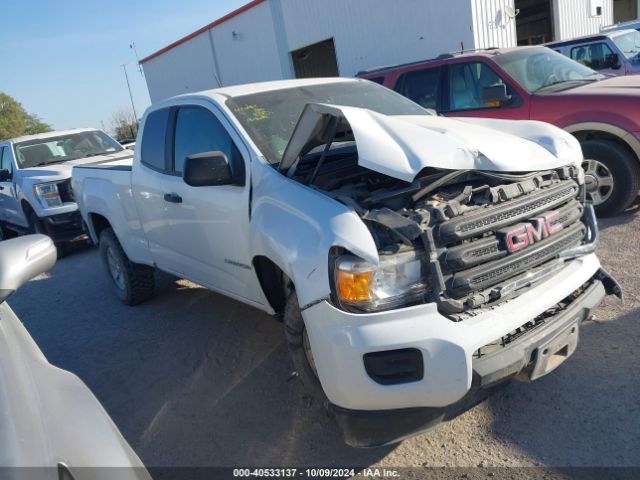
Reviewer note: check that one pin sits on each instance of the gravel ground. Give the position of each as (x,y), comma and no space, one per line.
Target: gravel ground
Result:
(194,378)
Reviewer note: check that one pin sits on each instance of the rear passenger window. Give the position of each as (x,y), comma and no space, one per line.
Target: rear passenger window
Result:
(421,86)
(154,139)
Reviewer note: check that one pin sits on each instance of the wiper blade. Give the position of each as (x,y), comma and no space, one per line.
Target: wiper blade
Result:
(569,81)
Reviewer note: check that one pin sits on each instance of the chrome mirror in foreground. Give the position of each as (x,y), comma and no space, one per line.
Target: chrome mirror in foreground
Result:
(23,258)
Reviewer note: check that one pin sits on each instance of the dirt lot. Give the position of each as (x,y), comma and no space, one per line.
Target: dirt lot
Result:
(193,378)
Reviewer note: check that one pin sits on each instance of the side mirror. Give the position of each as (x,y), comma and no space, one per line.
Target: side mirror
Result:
(495,95)
(614,61)
(207,169)
(5,175)
(23,258)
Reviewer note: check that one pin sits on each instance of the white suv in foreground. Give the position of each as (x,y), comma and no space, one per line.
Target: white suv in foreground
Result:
(417,261)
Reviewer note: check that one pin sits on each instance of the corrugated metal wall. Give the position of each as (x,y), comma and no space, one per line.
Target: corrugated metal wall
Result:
(573,18)
(370,33)
(492,27)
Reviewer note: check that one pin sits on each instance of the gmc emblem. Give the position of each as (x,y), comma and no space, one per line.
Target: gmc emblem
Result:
(523,235)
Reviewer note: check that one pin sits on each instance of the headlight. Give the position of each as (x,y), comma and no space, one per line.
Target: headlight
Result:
(397,281)
(47,194)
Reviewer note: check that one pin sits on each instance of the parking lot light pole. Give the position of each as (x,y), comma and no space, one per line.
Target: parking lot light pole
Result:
(135,115)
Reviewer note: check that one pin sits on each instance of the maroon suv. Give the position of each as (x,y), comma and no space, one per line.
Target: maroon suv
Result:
(536,83)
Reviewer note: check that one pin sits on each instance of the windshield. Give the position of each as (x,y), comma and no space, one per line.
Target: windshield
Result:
(628,43)
(44,151)
(270,117)
(538,68)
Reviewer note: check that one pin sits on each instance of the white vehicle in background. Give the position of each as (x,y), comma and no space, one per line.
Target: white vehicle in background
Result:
(35,181)
(51,425)
(416,261)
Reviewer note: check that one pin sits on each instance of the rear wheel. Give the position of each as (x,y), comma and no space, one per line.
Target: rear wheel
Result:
(612,176)
(133,282)
(300,349)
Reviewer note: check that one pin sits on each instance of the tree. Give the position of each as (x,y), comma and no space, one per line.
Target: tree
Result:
(124,124)
(15,121)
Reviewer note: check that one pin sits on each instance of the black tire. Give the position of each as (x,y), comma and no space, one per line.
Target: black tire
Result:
(36,226)
(624,170)
(295,333)
(134,283)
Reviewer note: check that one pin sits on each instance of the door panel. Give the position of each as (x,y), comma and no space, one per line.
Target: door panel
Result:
(148,191)
(210,225)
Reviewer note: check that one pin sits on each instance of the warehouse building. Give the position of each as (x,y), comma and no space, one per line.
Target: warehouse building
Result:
(277,39)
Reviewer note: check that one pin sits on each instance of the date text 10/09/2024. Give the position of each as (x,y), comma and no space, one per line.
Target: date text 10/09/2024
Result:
(315,472)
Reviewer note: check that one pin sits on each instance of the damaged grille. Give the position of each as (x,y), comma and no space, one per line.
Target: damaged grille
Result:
(473,249)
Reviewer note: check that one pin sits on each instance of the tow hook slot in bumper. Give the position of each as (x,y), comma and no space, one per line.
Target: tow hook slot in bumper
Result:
(593,238)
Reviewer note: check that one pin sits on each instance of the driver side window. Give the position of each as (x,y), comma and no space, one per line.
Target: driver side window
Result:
(597,56)
(466,81)
(197,131)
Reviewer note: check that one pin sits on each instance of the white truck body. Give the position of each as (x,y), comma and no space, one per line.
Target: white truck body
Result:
(216,234)
(48,165)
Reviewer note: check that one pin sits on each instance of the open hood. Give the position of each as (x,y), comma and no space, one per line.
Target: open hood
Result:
(401,146)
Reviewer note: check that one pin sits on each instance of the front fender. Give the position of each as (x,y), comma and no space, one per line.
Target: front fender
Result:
(295,227)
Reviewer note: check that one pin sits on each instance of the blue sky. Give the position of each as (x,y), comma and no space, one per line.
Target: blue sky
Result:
(61,58)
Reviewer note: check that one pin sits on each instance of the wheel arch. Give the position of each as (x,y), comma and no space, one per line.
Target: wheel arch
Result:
(605,131)
(274,282)
(96,223)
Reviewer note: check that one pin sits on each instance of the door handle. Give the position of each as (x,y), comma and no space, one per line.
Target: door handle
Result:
(172,198)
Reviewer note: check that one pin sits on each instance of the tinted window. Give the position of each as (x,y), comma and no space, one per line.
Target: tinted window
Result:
(421,86)
(154,138)
(466,81)
(199,131)
(596,55)
(6,164)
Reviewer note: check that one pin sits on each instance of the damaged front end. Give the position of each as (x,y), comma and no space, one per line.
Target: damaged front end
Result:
(465,237)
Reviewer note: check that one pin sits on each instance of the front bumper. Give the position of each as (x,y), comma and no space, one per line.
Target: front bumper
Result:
(63,227)
(528,357)
(340,339)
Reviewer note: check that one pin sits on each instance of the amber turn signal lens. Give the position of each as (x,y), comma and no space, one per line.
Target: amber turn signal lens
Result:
(354,286)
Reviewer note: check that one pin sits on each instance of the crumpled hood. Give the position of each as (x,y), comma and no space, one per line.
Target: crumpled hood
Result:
(401,146)
(62,171)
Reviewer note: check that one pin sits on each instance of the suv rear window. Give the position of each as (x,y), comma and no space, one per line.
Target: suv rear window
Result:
(154,138)
(421,86)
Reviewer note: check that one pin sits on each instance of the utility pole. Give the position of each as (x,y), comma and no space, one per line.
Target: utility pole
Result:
(135,115)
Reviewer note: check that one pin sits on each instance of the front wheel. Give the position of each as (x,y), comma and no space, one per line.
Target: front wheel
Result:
(133,282)
(300,349)
(37,226)
(612,176)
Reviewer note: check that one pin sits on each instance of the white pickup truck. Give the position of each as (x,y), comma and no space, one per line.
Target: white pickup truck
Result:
(416,261)
(35,180)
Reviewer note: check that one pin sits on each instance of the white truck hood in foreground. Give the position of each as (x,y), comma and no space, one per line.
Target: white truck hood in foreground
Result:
(401,146)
